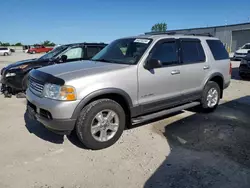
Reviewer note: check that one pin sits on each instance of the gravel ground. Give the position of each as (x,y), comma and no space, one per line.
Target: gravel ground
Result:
(183,150)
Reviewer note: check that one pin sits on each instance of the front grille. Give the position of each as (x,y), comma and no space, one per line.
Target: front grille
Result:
(240,53)
(36,86)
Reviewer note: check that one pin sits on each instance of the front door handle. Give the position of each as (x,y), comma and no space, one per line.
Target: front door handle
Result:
(175,72)
(206,67)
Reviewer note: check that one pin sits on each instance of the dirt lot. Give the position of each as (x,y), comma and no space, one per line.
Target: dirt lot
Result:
(183,150)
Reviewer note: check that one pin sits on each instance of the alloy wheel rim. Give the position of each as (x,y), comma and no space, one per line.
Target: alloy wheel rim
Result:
(212,97)
(104,125)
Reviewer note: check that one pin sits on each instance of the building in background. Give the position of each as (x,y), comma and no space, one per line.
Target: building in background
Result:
(233,36)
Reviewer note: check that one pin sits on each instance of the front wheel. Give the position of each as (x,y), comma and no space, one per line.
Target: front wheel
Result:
(100,124)
(210,97)
(5,54)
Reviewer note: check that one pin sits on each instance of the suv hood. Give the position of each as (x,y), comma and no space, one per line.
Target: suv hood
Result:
(80,68)
(24,62)
(243,51)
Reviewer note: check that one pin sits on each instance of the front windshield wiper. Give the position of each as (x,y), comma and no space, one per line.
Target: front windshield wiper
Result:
(105,60)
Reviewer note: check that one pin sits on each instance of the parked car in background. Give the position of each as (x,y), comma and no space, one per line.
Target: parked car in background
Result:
(242,52)
(5,51)
(39,49)
(12,50)
(244,69)
(14,76)
(132,80)
(26,48)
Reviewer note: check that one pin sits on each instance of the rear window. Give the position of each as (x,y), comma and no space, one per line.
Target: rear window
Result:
(192,52)
(218,50)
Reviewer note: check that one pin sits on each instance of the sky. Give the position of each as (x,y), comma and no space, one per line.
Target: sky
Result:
(67,21)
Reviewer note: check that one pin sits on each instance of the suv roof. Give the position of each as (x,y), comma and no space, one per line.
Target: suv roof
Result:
(159,35)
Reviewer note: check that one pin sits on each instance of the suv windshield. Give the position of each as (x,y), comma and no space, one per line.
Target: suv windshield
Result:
(247,46)
(53,53)
(124,51)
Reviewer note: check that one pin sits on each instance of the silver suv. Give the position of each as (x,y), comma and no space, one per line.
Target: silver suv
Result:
(130,81)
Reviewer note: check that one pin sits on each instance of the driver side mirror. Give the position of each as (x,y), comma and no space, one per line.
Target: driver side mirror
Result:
(63,58)
(152,63)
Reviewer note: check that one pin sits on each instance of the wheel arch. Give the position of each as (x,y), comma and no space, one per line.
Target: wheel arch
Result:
(115,94)
(219,79)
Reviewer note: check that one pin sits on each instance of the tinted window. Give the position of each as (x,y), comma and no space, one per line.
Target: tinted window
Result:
(166,53)
(92,51)
(3,48)
(192,52)
(218,50)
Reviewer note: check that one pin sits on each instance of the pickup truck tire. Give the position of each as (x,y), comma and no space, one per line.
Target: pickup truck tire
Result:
(33,52)
(210,97)
(100,124)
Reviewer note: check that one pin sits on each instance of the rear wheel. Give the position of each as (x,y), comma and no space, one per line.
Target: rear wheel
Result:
(100,124)
(5,54)
(210,97)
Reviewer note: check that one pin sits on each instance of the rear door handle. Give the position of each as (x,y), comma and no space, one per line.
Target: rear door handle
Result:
(206,67)
(175,72)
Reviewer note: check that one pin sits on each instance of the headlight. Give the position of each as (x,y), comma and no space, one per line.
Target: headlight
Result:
(23,66)
(64,93)
(243,61)
(10,74)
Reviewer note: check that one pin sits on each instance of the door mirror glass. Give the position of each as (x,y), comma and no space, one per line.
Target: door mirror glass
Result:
(153,63)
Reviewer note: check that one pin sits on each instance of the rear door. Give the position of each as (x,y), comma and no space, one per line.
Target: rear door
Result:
(195,68)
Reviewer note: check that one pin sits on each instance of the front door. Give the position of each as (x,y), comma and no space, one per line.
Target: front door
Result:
(160,88)
(74,54)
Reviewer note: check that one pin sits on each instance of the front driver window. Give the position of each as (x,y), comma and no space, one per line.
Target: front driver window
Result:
(74,53)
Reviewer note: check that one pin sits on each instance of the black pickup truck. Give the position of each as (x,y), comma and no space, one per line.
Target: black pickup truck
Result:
(14,77)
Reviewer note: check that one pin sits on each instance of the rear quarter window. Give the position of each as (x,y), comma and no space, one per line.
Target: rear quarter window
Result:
(218,50)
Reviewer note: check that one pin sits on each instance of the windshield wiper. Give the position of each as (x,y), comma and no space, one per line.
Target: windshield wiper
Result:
(105,60)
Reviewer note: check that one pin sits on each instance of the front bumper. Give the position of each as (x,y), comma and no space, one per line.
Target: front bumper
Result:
(54,115)
(239,56)
(15,82)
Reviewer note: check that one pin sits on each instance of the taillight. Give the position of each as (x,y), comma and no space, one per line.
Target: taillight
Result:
(230,69)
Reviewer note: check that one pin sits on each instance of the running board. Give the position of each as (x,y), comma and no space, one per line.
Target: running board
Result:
(148,117)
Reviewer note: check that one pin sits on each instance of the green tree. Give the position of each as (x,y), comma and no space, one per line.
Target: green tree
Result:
(48,43)
(162,27)
(18,44)
(5,44)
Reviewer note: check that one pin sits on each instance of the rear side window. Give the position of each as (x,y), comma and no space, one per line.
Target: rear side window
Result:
(218,50)
(3,48)
(92,51)
(192,51)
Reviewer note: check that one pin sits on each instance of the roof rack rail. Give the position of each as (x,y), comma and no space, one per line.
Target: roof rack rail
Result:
(161,33)
(200,34)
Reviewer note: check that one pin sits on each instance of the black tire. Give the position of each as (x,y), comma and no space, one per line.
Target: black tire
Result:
(25,82)
(204,104)
(5,54)
(88,113)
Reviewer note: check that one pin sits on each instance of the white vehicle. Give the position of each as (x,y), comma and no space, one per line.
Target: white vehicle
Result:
(242,51)
(5,51)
